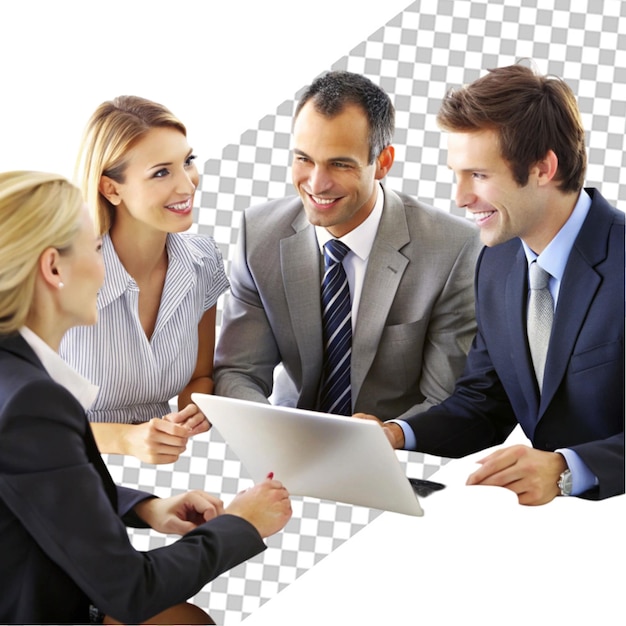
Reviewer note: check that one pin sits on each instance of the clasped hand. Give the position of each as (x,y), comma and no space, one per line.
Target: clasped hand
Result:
(266,506)
(164,440)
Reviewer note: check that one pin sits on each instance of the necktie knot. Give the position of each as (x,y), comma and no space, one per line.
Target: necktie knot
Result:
(538,276)
(334,251)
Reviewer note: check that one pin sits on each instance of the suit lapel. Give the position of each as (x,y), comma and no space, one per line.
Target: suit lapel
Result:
(578,289)
(300,268)
(385,269)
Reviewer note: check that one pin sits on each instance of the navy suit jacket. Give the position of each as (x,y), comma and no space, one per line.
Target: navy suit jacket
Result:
(582,404)
(63,539)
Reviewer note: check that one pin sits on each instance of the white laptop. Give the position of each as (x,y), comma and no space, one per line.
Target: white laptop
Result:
(313,454)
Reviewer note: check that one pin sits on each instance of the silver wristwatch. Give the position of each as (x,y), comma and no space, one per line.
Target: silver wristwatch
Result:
(565,483)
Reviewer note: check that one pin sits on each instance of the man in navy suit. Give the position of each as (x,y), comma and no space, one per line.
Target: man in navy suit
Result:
(516,146)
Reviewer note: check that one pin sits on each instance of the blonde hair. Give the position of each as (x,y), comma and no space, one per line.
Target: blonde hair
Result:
(37,211)
(115,128)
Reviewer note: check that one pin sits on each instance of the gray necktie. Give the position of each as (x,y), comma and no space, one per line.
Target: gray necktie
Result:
(540,315)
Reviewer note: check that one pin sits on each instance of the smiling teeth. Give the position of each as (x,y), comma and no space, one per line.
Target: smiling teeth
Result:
(180,206)
(478,216)
(323,200)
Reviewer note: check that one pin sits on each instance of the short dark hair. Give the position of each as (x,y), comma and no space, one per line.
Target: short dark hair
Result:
(531,113)
(333,91)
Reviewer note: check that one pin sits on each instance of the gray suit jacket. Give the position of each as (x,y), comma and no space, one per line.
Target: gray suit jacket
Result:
(415,320)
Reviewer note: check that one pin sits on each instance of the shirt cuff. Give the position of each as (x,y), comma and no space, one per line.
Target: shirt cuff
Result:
(583,478)
(410,442)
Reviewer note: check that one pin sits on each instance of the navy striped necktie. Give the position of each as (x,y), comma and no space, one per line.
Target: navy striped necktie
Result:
(336,396)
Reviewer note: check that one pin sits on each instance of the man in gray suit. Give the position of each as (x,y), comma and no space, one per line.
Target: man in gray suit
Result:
(409,269)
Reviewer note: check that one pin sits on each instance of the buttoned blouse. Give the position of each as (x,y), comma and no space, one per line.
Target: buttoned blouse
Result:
(138,376)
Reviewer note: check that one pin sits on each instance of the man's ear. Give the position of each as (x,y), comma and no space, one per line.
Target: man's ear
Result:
(384,161)
(547,168)
(108,188)
(50,268)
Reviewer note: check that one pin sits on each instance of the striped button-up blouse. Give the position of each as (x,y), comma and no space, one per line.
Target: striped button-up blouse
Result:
(137,377)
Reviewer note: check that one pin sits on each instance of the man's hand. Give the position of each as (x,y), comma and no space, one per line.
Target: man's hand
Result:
(156,441)
(192,418)
(394,433)
(266,506)
(179,514)
(532,474)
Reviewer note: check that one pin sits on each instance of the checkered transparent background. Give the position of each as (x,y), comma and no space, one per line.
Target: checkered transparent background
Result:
(415,57)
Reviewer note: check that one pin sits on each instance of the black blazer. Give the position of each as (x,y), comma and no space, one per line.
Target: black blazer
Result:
(582,405)
(63,539)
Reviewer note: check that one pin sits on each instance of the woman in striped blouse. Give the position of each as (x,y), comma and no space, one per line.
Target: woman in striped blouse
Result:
(155,334)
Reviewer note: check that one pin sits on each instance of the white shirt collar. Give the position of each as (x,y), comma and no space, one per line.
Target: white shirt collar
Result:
(361,239)
(59,370)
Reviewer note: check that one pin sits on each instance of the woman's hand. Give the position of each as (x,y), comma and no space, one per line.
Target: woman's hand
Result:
(179,514)
(157,441)
(266,506)
(191,417)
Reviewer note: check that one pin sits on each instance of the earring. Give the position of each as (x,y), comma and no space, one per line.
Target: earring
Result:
(61,285)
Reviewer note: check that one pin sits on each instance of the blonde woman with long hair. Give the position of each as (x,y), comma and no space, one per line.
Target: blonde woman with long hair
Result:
(157,309)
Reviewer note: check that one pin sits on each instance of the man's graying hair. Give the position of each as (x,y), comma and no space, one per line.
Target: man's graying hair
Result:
(333,91)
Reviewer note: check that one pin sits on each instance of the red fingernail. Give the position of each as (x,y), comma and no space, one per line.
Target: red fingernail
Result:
(270,475)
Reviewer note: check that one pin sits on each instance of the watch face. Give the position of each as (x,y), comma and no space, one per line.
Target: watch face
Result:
(565,483)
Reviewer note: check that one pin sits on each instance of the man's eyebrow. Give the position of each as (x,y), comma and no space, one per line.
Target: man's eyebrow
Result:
(469,169)
(343,159)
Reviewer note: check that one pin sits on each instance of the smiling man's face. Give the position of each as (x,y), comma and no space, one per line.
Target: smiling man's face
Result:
(489,193)
(330,168)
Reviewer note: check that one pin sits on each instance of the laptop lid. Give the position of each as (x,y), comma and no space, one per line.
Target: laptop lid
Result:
(331,457)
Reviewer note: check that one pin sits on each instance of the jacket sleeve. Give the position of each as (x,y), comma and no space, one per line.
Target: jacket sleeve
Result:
(246,353)
(605,458)
(51,486)
(478,415)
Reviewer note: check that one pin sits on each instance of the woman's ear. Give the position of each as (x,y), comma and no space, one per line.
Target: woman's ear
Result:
(50,268)
(108,188)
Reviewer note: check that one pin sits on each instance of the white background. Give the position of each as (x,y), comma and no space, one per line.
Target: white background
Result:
(219,66)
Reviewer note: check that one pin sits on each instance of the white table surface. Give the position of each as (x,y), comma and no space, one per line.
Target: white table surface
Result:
(476,557)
